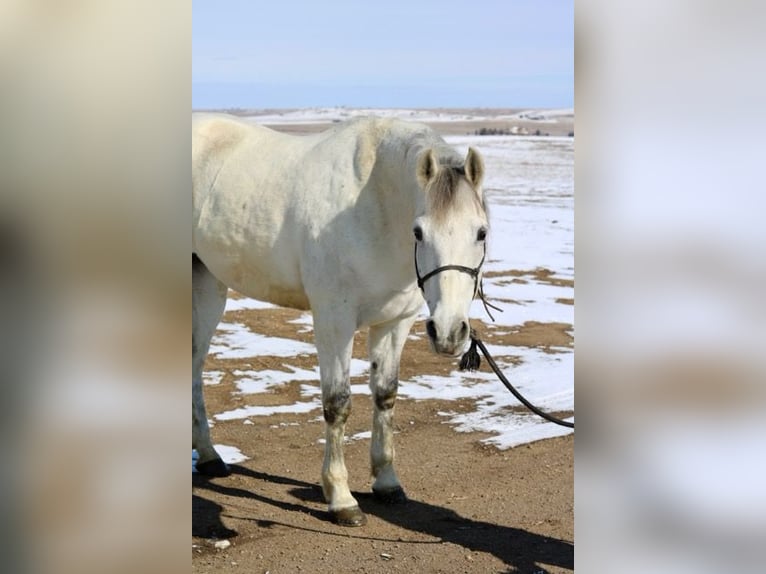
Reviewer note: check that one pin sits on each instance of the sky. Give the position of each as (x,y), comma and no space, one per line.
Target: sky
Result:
(394,53)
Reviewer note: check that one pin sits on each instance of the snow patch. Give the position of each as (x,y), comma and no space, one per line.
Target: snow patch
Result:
(236,341)
(229,455)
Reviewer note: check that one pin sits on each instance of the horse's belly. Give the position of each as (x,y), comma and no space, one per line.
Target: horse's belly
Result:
(283,296)
(262,278)
(263,287)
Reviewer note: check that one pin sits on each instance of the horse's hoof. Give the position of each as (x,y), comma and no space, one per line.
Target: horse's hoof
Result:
(349,516)
(214,467)
(392,496)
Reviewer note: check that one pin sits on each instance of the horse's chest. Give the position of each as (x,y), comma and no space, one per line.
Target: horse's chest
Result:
(390,307)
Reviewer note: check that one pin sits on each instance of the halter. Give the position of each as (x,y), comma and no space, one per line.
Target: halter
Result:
(474,272)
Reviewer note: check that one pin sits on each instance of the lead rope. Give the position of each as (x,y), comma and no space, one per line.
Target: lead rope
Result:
(486,303)
(471,361)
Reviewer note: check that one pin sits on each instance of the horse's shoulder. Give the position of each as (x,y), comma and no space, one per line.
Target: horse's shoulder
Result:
(368,134)
(357,139)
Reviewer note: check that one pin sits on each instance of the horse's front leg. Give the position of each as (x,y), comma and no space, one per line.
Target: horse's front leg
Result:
(386,344)
(334,340)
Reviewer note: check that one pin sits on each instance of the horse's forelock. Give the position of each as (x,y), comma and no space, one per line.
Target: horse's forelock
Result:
(442,192)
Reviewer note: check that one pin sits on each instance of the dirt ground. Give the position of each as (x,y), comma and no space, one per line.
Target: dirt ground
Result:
(472,507)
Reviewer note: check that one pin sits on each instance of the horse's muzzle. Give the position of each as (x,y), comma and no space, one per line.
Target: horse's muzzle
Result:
(450,342)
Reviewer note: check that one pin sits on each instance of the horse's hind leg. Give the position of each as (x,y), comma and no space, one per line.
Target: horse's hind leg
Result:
(386,342)
(208,302)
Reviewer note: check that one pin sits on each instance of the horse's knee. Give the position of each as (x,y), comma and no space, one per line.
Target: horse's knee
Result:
(337,407)
(385,395)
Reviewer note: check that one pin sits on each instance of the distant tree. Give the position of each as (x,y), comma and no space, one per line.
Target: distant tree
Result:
(493,132)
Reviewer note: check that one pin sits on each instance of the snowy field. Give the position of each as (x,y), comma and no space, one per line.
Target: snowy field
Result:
(329,115)
(530,190)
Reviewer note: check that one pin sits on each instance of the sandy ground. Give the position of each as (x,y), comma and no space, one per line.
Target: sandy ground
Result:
(472,508)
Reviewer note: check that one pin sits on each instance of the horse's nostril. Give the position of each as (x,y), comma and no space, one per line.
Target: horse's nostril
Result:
(431,329)
(463,329)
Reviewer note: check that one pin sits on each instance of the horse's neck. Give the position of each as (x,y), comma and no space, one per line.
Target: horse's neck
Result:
(401,198)
(402,152)
(445,153)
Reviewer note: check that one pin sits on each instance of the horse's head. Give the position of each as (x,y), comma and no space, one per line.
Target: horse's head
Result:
(450,234)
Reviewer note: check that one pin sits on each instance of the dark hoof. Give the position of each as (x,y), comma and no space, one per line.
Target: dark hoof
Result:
(348,516)
(215,467)
(394,496)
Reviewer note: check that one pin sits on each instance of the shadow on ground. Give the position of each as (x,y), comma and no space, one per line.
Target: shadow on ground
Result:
(522,551)
(206,519)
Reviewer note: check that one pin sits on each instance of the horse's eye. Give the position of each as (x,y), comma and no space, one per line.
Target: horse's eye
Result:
(481,235)
(418,233)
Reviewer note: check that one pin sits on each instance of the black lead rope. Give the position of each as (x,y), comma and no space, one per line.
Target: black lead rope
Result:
(471,362)
(486,303)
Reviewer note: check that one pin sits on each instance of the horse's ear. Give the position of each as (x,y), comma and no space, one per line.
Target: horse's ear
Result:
(474,168)
(428,165)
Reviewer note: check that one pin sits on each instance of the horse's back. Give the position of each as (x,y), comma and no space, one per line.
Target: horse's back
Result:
(242,171)
(215,138)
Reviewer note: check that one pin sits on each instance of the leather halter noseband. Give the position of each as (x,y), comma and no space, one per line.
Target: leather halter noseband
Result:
(473,272)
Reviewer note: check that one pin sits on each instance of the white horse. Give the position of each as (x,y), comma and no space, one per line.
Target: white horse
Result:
(358,224)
